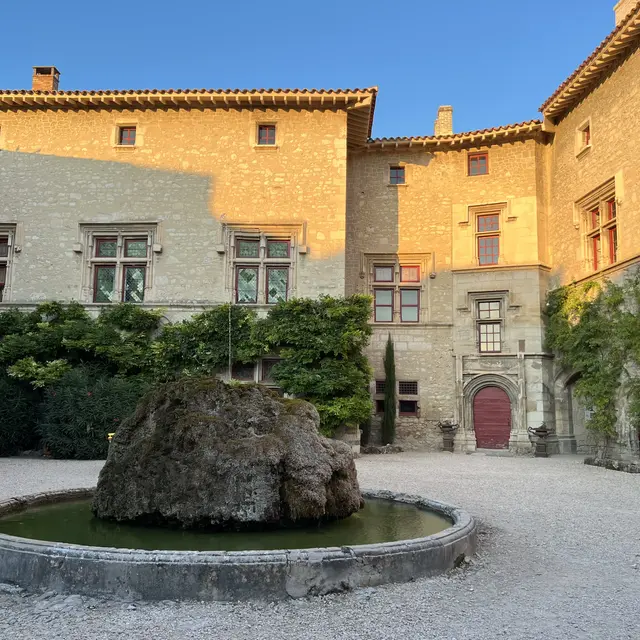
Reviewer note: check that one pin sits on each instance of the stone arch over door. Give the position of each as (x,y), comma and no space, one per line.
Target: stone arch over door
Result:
(475,385)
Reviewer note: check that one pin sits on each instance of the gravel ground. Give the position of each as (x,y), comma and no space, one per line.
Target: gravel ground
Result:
(559,558)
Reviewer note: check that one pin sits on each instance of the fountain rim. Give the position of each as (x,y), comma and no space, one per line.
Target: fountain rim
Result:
(462,525)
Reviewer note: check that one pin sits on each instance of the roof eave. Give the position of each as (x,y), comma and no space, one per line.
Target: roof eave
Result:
(585,78)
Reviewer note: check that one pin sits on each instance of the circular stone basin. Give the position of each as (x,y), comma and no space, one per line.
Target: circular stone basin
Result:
(394,538)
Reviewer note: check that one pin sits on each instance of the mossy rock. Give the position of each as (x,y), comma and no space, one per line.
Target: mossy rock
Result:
(202,453)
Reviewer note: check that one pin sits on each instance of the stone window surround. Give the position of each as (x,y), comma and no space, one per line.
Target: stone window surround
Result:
(508,305)
(9,231)
(121,122)
(581,149)
(266,117)
(295,233)
(397,165)
(89,232)
(426,262)
(598,199)
(499,209)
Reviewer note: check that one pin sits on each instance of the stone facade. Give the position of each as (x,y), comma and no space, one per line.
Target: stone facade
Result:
(404,219)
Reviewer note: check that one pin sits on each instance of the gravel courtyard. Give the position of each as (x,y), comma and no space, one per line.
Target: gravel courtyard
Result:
(559,557)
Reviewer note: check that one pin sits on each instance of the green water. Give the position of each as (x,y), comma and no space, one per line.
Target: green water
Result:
(378,521)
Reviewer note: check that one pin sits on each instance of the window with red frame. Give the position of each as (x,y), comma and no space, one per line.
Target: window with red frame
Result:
(478,164)
(611,209)
(266,134)
(409,305)
(383,305)
(613,245)
(409,273)
(127,136)
(595,218)
(383,273)
(490,222)
(397,175)
(586,136)
(595,252)
(488,249)
(246,284)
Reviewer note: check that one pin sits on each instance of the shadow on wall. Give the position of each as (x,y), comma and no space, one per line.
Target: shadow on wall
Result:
(46,199)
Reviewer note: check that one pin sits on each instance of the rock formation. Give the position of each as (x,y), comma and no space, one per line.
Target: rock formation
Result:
(202,453)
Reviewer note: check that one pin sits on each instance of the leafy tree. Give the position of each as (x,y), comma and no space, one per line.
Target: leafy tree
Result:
(389,416)
(321,343)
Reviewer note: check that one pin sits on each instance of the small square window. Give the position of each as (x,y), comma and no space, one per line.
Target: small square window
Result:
(243,371)
(383,274)
(408,388)
(248,249)
(380,386)
(488,223)
(278,248)
(127,136)
(135,248)
(478,164)
(106,247)
(409,274)
(379,406)
(397,175)
(266,134)
(489,310)
(408,407)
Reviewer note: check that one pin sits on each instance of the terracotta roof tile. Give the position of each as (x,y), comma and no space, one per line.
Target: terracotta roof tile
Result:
(508,128)
(145,92)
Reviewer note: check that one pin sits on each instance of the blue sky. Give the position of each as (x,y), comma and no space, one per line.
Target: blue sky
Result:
(495,61)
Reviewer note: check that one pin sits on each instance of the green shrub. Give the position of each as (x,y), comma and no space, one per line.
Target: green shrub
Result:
(19,406)
(84,406)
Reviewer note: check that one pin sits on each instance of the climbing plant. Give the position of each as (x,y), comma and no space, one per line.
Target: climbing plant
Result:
(321,343)
(595,331)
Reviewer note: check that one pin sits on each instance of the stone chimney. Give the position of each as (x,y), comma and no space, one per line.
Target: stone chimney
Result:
(623,9)
(444,124)
(45,79)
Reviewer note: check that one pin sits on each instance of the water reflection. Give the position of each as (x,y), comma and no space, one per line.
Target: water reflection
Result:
(378,521)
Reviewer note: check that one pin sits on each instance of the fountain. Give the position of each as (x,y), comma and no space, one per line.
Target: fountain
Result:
(225,492)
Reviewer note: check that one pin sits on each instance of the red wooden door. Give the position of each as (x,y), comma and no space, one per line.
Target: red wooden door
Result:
(492,418)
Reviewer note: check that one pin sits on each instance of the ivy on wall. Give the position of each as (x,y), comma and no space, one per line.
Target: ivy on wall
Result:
(59,353)
(595,331)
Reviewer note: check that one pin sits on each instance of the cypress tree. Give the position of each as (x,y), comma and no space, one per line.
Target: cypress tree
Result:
(389,416)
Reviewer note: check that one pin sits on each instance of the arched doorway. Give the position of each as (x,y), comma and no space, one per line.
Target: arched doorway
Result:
(492,418)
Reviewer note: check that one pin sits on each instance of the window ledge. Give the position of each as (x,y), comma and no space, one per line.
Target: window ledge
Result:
(266,147)
(128,147)
(403,184)
(477,175)
(583,152)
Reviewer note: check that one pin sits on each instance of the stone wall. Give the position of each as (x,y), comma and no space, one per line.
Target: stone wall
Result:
(613,111)
(190,171)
